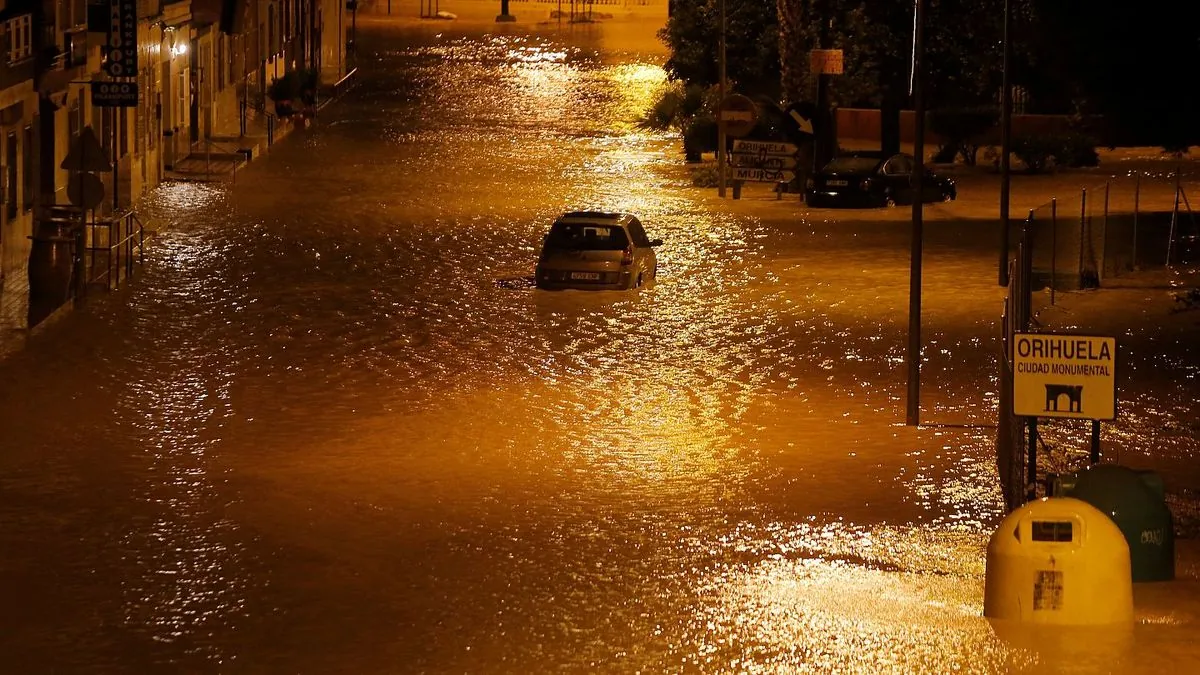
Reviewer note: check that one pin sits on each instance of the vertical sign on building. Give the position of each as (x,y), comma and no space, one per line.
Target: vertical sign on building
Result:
(122,39)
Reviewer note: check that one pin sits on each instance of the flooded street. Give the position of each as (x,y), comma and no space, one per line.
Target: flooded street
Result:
(330,428)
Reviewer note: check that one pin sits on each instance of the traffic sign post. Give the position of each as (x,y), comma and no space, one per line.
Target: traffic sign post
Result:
(1065,376)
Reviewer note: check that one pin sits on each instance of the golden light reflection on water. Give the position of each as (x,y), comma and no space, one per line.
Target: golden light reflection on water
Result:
(190,582)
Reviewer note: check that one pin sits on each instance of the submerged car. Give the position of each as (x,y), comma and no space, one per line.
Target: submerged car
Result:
(874,179)
(596,250)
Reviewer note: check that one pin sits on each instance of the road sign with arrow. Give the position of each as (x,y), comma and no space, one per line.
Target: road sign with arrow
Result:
(802,114)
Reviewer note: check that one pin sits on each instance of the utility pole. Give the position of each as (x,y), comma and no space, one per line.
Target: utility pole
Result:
(721,93)
(1006,105)
(823,141)
(913,356)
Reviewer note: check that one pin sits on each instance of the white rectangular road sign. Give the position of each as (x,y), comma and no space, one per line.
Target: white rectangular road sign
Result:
(776,162)
(765,147)
(1064,376)
(763,175)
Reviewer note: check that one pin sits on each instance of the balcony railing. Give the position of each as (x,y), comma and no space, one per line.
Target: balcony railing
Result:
(75,48)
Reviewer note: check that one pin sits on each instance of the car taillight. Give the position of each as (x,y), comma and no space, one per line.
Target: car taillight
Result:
(627,259)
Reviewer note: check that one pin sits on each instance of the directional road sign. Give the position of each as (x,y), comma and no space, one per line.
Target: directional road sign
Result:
(759,162)
(767,161)
(745,173)
(1064,376)
(764,147)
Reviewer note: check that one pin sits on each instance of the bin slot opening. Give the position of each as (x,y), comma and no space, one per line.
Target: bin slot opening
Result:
(1052,530)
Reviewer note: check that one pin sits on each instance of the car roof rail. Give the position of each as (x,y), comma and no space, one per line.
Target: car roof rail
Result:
(607,215)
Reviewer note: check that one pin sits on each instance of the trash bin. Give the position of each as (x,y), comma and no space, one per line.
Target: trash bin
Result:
(51,269)
(1058,561)
(1136,502)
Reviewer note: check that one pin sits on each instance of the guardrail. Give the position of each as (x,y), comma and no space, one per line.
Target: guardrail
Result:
(117,238)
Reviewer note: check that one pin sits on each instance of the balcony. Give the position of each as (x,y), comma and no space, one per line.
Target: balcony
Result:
(75,48)
(147,9)
(13,74)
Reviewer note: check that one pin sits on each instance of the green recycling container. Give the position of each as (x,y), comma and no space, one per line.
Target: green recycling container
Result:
(1136,501)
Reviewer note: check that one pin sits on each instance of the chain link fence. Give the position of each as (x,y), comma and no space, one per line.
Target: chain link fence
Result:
(1086,239)
(1103,231)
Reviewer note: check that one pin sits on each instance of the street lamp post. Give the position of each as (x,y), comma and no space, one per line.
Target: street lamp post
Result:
(1006,106)
(720,114)
(913,356)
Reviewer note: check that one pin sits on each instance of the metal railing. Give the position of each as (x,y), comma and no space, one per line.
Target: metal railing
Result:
(116,239)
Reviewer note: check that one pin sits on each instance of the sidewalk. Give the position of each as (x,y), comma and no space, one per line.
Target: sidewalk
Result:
(220,157)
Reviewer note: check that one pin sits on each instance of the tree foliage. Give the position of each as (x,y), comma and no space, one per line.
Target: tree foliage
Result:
(1134,66)
(751,44)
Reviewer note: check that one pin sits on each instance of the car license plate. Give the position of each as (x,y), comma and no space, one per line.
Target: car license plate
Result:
(586,276)
(839,183)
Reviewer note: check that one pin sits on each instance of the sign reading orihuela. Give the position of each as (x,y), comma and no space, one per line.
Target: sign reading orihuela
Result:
(1065,376)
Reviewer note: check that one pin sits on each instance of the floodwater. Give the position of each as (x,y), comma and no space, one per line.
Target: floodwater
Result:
(331,429)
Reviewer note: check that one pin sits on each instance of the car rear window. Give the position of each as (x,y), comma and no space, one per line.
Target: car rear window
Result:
(852,164)
(586,237)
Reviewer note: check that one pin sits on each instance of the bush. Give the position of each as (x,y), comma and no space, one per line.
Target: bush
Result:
(1042,152)
(963,131)
(705,176)
(699,136)
(1077,150)
(663,114)
(1036,151)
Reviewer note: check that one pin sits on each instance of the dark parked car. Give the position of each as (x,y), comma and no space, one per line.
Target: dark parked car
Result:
(874,179)
(596,250)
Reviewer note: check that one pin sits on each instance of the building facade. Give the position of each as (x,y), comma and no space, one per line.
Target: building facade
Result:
(204,71)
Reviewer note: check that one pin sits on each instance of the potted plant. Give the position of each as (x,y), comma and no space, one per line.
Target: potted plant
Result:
(284,91)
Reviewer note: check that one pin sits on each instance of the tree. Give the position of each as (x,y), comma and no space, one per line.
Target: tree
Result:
(693,32)
(1133,66)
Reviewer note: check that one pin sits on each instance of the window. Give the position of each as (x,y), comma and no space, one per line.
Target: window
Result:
(220,59)
(20,40)
(638,233)
(27,166)
(233,74)
(586,237)
(106,129)
(272,33)
(73,126)
(10,178)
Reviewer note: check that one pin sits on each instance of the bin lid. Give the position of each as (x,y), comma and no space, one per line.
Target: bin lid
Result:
(1125,494)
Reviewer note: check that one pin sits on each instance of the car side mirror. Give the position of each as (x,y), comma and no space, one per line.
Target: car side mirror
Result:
(656,242)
